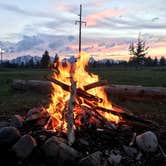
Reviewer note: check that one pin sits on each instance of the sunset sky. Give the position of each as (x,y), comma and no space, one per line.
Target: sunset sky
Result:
(111,25)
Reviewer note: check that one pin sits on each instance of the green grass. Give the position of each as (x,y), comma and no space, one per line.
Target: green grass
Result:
(11,101)
(132,76)
(14,102)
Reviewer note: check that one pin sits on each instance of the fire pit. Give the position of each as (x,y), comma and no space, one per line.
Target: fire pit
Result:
(80,127)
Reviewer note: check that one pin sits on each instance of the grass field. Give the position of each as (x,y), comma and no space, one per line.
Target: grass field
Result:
(14,102)
(131,76)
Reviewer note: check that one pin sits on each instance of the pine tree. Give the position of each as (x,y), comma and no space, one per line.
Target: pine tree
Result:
(149,61)
(56,63)
(139,51)
(155,62)
(45,60)
(31,63)
(162,61)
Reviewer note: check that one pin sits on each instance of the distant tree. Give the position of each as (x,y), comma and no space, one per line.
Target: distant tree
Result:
(22,65)
(149,61)
(162,61)
(139,50)
(45,60)
(56,63)
(108,63)
(30,63)
(37,64)
(155,62)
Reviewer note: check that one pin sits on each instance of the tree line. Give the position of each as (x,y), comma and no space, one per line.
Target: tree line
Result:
(45,62)
(138,51)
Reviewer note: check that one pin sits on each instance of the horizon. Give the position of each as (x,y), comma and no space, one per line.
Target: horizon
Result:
(111,26)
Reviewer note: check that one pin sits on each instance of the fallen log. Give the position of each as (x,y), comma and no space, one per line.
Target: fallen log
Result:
(35,85)
(136,92)
(130,92)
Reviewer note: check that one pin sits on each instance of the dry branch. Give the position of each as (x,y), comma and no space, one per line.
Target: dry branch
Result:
(70,115)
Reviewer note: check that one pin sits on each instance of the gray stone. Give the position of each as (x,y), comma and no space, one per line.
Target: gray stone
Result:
(38,114)
(17,121)
(147,142)
(24,146)
(92,160)
(130,151)
(59,153)
(4,124)
(114,159)
(8,136)
(33,114)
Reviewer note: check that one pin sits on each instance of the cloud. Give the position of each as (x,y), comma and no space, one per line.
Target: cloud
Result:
(66,8)
(131,23)
(98,2)
(155,19)
(94,18)
(21,11)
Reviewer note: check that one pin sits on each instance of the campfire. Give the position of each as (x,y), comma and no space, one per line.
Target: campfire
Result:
(78,96)
(80,126)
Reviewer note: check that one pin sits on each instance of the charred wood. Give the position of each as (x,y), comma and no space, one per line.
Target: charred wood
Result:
(96,84)
(79,92)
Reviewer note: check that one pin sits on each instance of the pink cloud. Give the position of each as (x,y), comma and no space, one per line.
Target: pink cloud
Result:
(64,7)
(93,18)
(98,2)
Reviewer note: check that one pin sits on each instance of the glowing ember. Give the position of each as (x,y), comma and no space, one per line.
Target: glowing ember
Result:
(58,107)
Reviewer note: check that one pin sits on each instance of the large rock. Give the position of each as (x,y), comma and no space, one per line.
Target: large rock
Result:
(17,121)
(24,146)
(8,136)
(59,153)
(36,114)
(130,151)
(92,160)
(114,159)
(147,142)
(39,115)
(4,124)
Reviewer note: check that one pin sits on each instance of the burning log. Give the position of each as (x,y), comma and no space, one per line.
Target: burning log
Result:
(126,116)
(96,84)
(80,92)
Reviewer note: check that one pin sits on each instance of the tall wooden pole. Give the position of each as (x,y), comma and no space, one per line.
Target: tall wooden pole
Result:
(80,28)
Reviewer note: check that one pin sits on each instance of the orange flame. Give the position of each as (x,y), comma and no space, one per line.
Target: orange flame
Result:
(58,107)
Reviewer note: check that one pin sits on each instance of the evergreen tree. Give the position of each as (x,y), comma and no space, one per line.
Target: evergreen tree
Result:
(149,61)
(162,61)
(108,63)
(139,51)
(45,60)
(155,62)
(56,63)
(30,63)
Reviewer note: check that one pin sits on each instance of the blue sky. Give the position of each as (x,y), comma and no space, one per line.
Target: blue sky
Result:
(117,21)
